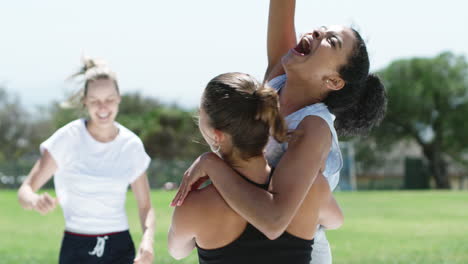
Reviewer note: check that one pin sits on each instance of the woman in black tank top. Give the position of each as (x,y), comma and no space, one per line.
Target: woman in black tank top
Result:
(254,247)
(236,117)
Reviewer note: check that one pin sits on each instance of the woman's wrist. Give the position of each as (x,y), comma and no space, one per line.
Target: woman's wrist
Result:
(148,236)
(147,240)
(27,197)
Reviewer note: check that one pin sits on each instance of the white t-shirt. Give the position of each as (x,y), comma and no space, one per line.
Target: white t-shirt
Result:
(92,177)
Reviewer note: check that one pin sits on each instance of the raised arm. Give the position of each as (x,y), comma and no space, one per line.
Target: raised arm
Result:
(42,171)
(271,212)
(281,34)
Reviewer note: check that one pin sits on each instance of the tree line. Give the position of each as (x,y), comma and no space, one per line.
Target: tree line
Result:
(428,104)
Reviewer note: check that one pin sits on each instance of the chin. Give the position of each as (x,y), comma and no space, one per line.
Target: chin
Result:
(104,122)
(293,63)
(292,69)
(286,60)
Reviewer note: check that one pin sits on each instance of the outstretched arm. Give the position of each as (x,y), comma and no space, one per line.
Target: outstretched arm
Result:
(281,34)
(271,212)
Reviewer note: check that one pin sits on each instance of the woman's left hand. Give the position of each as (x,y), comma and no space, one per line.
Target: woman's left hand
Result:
(145,253)
(195,175)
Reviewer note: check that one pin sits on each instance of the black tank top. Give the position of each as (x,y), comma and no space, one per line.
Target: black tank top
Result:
(253,247)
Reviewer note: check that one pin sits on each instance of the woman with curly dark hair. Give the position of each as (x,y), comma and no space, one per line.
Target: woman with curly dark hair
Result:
(235,105)
(325,90)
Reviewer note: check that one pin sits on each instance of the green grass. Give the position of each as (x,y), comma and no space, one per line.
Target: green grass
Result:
(380,227)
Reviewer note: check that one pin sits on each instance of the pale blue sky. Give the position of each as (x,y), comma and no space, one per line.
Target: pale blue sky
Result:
(171,49)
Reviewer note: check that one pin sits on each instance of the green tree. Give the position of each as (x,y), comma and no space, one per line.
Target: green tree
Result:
(172,133)
(168,131)
(428,103)
(15,132)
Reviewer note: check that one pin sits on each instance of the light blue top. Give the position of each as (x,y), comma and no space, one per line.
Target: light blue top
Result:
(275,150)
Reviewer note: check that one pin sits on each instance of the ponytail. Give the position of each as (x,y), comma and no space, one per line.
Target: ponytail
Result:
(361,104)
(268,112)
(242,107)
(367,112)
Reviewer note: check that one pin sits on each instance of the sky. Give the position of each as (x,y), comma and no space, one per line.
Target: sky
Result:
(171,49)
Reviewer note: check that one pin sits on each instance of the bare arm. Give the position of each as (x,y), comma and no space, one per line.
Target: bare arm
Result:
(42,171)
(273,211)
(181,236)
(281,34)
(141,190)
(331,216)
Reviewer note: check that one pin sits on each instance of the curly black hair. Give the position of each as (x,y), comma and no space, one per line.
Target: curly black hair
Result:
(362,102)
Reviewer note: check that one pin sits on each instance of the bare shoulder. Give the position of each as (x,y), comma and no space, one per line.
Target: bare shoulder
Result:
(205,201)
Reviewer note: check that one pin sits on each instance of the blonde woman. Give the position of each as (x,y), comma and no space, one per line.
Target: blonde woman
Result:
(93,162)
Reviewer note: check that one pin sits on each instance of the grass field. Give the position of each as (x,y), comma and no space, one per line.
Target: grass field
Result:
(380,227)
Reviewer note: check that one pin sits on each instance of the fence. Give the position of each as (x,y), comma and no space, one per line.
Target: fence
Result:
(159,172)
(395,174)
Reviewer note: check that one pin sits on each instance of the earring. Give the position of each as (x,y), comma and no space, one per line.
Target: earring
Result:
(218,147)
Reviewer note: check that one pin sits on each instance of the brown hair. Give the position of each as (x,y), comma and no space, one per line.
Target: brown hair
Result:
(239,105)
(91,70)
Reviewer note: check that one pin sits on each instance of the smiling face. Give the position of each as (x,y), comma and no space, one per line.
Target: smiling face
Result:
(319,54)
(102,101)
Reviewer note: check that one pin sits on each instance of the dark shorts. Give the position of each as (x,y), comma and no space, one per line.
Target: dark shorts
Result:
(112,248)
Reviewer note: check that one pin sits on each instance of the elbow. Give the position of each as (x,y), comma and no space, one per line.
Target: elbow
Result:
(335,223)
(339,221)
(172,249)
(273,234)
(177,249)
(175,253)
(275,228)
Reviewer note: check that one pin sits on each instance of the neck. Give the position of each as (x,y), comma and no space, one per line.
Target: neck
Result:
(298,93)
(102,133)
(255,169)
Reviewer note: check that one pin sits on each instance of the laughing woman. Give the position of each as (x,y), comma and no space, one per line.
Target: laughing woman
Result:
(325,90)
(235,105)
(93,162)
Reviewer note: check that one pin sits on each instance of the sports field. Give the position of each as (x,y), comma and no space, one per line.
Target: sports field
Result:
(380,227)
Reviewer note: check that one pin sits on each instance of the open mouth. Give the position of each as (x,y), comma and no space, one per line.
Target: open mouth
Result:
(304,47)
(103,116)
